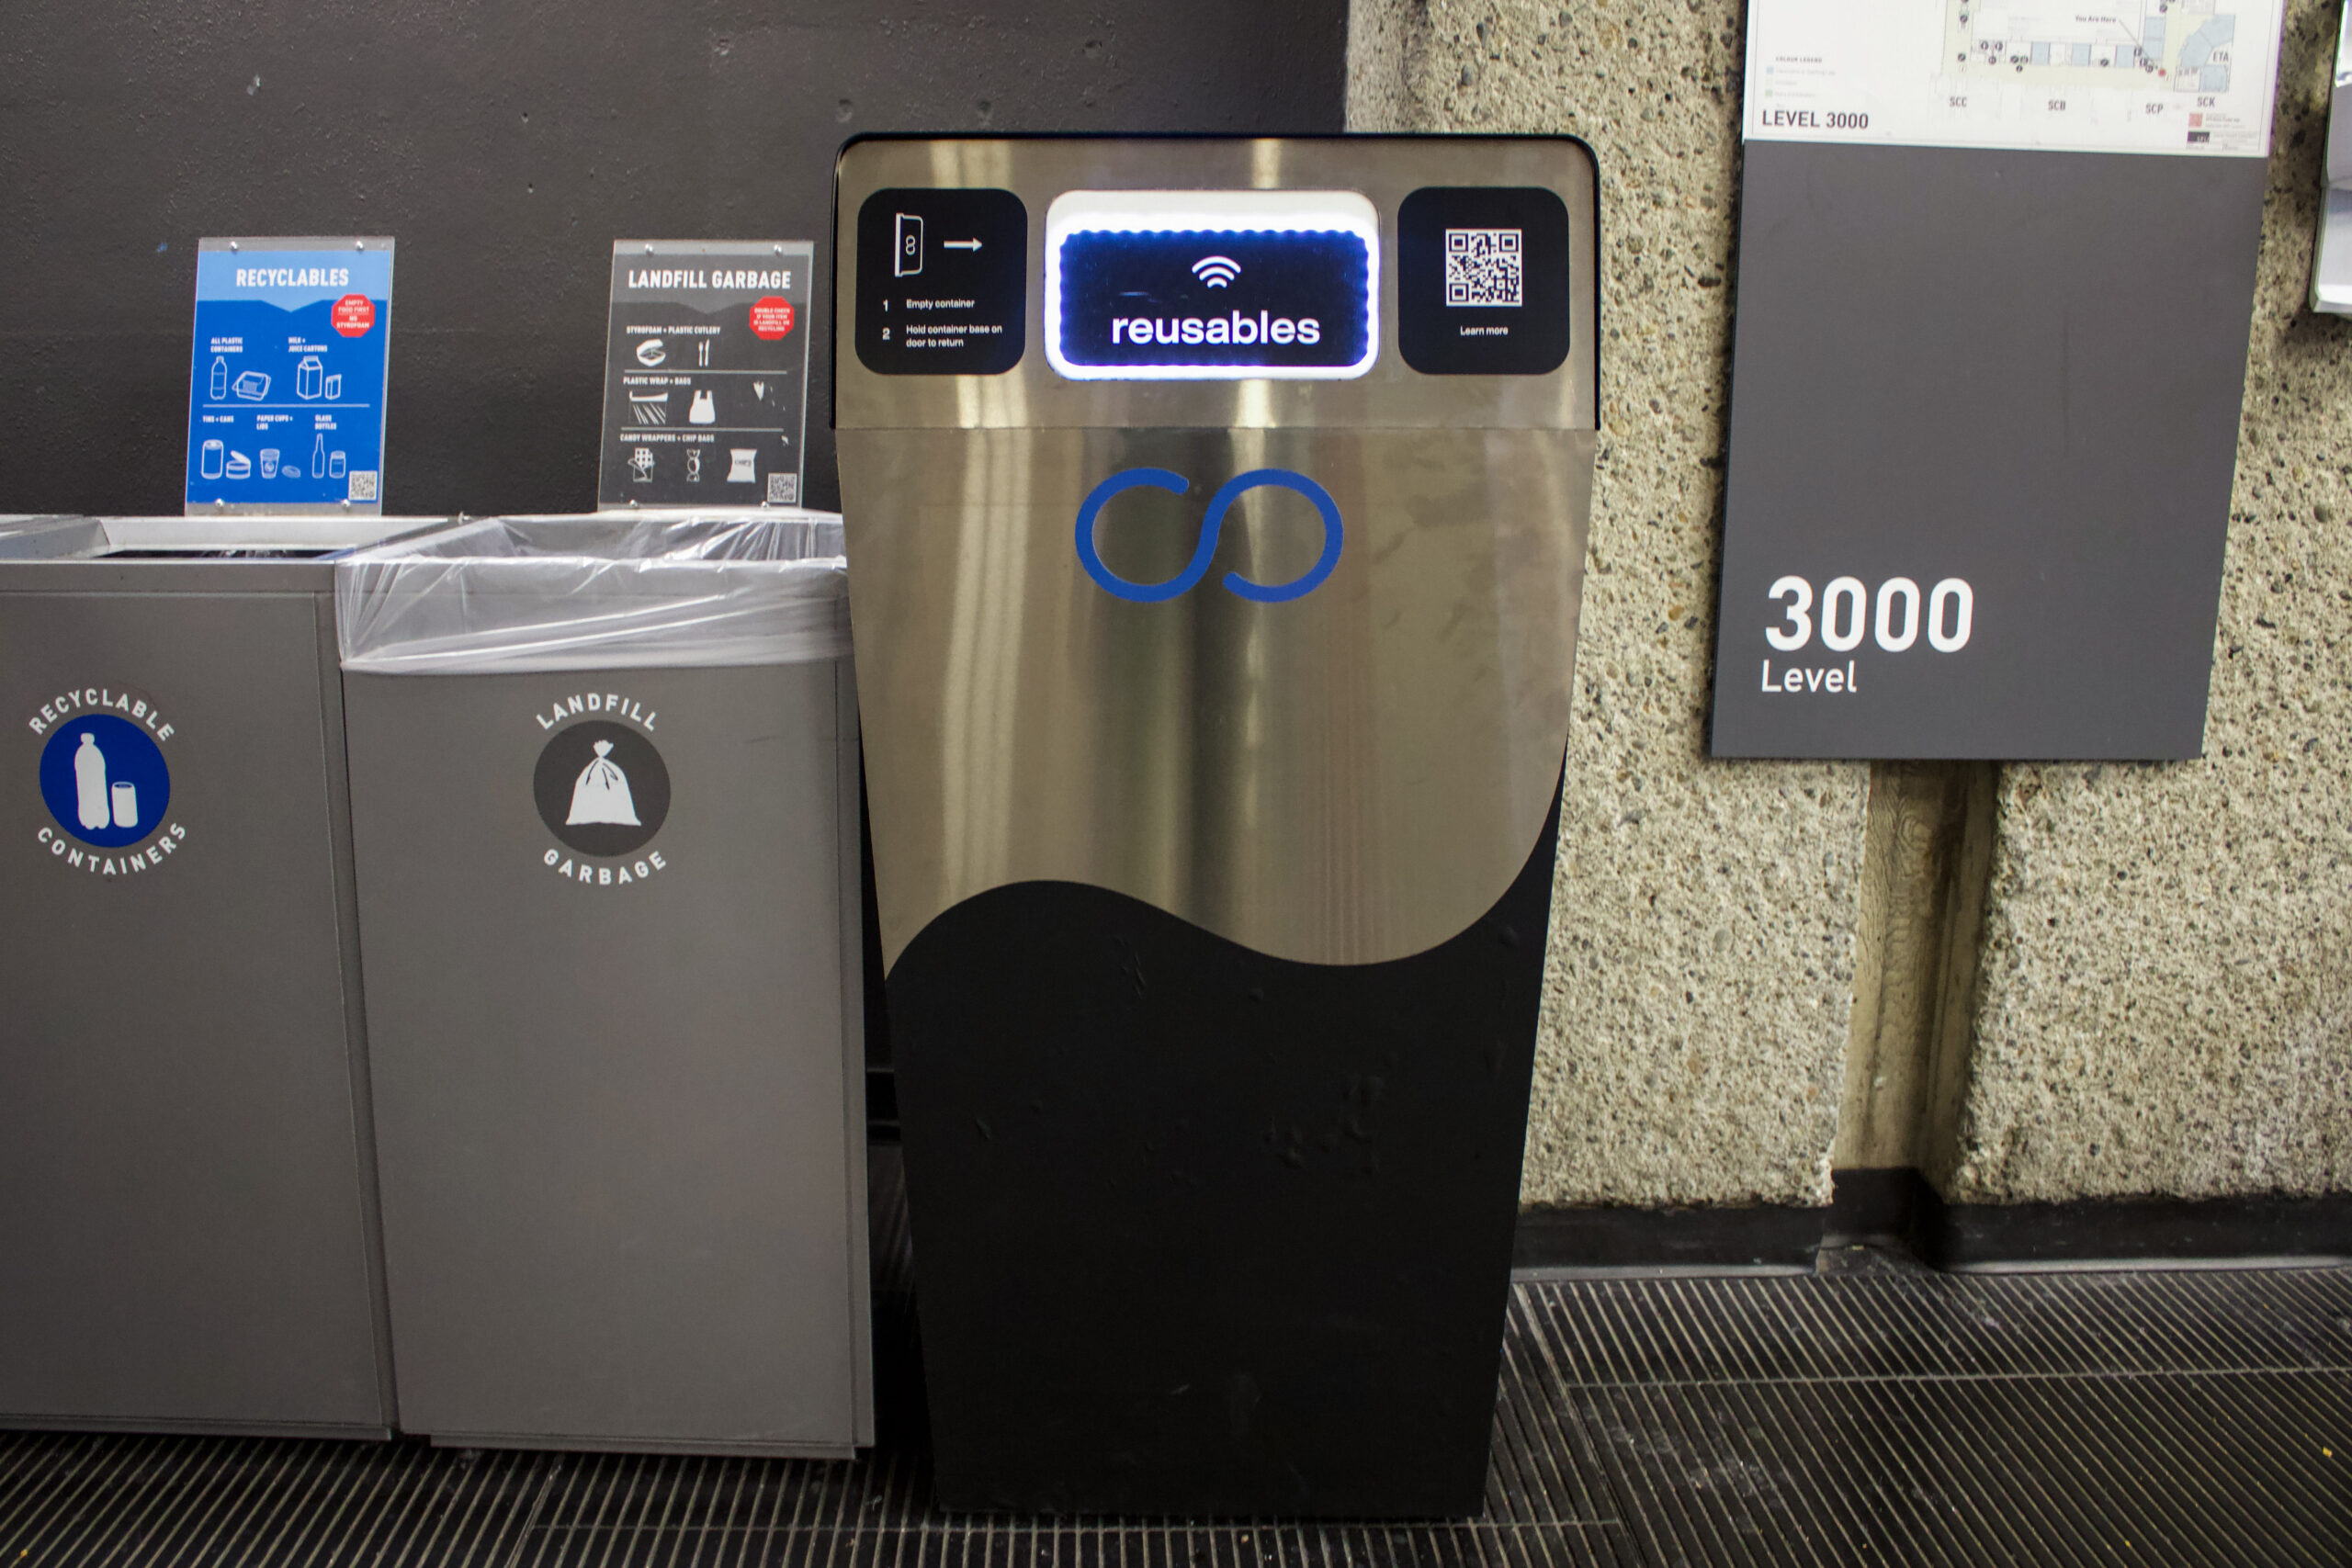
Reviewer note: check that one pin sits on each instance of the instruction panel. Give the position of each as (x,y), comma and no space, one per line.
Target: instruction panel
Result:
(706,373)
(285,391)
(2180,76)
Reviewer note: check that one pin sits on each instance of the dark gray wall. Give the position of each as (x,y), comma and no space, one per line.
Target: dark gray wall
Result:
(505,146)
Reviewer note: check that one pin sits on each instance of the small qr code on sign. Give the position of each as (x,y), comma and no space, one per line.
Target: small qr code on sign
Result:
(362,486)
(1483,267)
(784,489)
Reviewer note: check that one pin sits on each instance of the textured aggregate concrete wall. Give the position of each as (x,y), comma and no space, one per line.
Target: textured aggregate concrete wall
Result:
(1701,958)
(2166,1002)
(2163,1001)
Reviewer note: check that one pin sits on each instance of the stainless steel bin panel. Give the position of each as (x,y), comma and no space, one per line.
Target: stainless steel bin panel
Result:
(183,1228)
(622,1205)
(1350,777)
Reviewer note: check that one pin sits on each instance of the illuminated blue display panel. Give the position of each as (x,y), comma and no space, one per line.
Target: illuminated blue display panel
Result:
(1211,285)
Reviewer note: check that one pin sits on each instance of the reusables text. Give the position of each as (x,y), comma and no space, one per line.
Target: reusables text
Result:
(1237,328)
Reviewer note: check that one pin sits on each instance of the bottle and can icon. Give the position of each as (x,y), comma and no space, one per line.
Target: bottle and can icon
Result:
(97,803)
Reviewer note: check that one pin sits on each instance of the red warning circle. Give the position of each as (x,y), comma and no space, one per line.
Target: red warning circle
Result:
(353,314)
(771,318)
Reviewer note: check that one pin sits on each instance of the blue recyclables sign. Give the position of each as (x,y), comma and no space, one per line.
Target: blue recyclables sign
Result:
(285,385)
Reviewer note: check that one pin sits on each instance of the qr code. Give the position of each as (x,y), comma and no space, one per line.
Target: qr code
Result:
(784,489)
(363,484)
(1483,267)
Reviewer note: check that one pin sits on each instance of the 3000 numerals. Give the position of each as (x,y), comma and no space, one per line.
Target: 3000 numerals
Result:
(1895,616)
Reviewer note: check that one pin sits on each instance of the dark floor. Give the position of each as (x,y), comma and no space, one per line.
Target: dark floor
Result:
(1874,1411)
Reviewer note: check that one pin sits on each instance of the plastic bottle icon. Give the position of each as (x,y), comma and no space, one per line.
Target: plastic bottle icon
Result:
(310,377)
(219,383)
(90,783)
(319,456)
(126,805)
(209,459)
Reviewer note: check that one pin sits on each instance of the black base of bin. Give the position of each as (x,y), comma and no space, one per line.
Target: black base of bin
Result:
(1201,1232)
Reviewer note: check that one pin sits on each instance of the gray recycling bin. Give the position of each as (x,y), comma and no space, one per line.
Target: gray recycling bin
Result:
(1216,518)
(187,1209)
(604,800)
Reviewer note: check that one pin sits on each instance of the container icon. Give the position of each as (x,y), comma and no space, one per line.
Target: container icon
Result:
(219,382)
(310,377)
(319,456)
(334,464)
(90,783)
(126,805)
(209,457)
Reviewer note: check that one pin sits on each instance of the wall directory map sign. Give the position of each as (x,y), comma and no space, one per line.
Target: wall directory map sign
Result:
(285,384)
(1995,280)
(706,373)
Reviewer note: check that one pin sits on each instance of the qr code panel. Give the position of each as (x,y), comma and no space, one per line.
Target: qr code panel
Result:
(784,489)
(1484,267)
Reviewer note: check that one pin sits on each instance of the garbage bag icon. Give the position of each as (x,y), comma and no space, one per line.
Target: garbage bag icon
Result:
(602,794)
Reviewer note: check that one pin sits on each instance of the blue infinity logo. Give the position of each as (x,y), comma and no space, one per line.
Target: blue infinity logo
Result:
(1186,579)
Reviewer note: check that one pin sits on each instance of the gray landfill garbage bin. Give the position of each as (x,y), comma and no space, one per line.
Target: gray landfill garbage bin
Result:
(604,802)
(187,1229)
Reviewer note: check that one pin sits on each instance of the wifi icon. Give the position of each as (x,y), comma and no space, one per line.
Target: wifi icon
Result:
(1216,271)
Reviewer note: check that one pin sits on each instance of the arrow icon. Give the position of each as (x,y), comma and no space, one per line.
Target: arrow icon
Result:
(959,245)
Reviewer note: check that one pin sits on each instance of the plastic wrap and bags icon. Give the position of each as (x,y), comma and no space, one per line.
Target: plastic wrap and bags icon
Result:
(602,794)
(703,410)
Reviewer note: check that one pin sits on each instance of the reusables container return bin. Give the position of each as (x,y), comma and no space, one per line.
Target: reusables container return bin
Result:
(188,1223)
(605,816)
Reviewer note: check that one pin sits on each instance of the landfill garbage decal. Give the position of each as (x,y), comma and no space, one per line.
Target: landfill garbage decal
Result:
(602,789)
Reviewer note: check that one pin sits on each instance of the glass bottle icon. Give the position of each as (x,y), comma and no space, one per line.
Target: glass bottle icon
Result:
(219,383)
(319,456)
(90,802)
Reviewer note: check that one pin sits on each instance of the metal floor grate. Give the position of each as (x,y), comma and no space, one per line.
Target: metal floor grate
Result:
(1877,1413)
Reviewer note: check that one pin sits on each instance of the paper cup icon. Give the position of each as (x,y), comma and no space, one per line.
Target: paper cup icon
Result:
(269,462)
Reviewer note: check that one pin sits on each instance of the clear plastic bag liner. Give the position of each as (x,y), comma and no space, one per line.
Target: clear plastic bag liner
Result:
(612,590)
